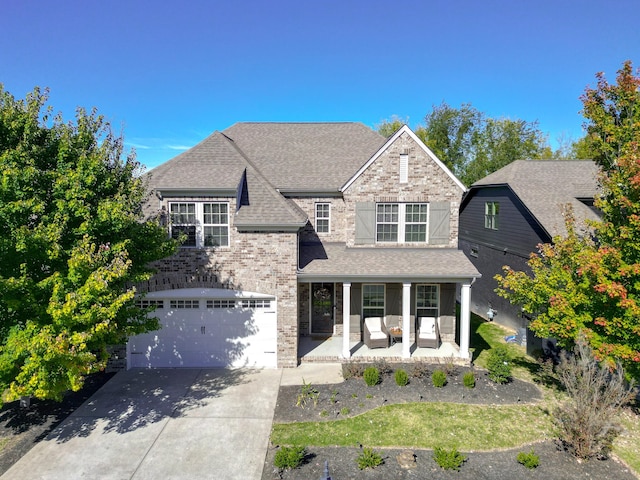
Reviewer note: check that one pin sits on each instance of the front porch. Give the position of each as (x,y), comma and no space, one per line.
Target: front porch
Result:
(320,350)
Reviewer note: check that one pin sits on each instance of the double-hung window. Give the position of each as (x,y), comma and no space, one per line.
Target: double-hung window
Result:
(323,217)
(427,301)
(491,211)
(372,300)
(204,224)
(402,222)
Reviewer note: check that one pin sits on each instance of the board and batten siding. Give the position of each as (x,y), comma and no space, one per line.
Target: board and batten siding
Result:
(518,231)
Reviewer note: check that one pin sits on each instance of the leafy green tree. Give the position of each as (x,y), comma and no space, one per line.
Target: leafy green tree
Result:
(473,145)
(386,128)
(72,245)
(592,287)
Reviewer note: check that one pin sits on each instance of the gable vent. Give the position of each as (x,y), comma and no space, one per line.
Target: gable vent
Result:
(404,168)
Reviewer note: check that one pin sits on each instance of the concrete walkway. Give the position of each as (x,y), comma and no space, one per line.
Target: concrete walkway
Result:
(169,424)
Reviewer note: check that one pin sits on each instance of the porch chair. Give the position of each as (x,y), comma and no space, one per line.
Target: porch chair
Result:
(428,333)
(374,334)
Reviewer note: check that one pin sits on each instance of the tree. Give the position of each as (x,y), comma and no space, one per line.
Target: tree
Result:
(72,245)
(581,285)
(473,145)
(386,128)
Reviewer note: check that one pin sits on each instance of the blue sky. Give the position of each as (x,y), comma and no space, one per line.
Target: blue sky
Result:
(166,74)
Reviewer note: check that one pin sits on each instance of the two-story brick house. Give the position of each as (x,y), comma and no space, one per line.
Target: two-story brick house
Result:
(297,232)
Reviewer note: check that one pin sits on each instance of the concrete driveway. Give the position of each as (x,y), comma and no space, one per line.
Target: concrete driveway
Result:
(163,424)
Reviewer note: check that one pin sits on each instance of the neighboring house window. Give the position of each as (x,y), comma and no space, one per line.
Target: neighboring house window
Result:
(187,217)
(323,217)
(373,300)
(216,224)
(427,300)
(401,222)
(491,210)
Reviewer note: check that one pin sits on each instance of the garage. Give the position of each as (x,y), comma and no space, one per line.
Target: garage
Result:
(207,328)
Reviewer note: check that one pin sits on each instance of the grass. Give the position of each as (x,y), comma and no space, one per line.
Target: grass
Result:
(467,427)
(425,425)
(3,443)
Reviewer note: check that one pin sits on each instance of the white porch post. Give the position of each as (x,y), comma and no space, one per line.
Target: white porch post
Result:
(406,320)
(346,317)
(465,319)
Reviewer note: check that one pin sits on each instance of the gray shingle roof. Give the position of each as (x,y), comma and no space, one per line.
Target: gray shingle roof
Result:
(336,260)
(306,156)
(544,186)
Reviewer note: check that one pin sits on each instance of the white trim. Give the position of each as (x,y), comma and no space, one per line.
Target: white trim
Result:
(402,223)
(420,143)
(328,218)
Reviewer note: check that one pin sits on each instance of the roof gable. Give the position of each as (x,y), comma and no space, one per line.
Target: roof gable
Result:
(390,141)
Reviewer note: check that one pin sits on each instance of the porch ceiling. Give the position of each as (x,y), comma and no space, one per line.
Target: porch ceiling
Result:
(336,262)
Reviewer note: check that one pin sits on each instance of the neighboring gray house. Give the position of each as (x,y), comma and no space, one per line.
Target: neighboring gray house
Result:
(507,214)
(295,233)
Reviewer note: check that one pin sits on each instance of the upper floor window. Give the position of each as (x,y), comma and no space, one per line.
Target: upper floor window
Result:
(323,217)
(205,224)
(491,211)
(401,222)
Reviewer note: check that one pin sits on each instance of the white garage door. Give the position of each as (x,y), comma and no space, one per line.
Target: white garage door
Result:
(208,328)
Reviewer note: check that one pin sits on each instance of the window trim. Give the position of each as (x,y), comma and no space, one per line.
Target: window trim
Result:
(491,215)
(384,299)
(199,225)
(402,223)
(317,217)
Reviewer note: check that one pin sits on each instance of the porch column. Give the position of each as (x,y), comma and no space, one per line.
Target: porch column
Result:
(465,319)
(346,319)
(406,320)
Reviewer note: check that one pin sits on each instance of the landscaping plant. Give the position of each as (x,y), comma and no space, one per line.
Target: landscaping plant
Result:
(307,393)
(369,458)
(469,379)
(448,459)
(588,421)
(371,376)
(289,457)
(529,460)
(402,379)
(439,378)
(498,364)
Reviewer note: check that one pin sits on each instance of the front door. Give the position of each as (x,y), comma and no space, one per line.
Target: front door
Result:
(322,308)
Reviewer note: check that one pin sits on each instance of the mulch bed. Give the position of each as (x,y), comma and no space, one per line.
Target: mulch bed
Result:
(21,428)
(354,396)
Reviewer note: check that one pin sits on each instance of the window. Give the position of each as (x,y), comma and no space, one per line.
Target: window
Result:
(254,303)
(204,224)
(427,300)
(216,224)
(491,210)
(401,222)
(149,303)
(183,221)
(323,217)
(184,303)
(221,304)
(373,301)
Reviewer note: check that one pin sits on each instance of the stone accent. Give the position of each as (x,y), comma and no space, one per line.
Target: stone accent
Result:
(407,459)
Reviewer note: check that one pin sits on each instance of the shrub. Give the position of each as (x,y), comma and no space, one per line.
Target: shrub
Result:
(371,376)
(307,393)
(587,420)
(419,370)
(469,379)
(439,378)
(383,367)
(449,367)
(448,459)
(352,369)
(401,378)
(529,460)
(289,457)
(345,411)
(498,364)
(369,459)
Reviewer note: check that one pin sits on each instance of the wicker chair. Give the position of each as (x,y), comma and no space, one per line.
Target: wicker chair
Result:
(428,333)
(375,335)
